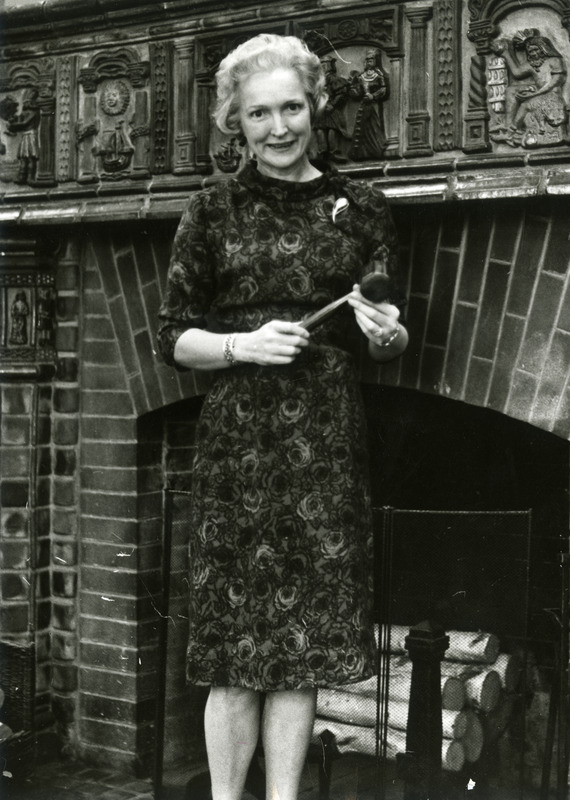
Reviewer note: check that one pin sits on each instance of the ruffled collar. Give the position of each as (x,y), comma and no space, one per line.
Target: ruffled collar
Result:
(268,187)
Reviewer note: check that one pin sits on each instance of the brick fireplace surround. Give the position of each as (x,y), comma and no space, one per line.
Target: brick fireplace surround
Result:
(93,422)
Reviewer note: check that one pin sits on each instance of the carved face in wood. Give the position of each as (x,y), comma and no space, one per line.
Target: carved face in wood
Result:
(275,119)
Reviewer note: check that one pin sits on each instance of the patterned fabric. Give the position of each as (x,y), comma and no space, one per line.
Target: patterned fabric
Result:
(281,539)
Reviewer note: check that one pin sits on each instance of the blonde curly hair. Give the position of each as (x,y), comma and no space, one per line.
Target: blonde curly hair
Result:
(266,52)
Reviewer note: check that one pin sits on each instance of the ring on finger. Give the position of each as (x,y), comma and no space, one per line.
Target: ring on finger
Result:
(379,332)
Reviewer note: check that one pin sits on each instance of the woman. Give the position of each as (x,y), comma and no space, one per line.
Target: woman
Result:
(281,530)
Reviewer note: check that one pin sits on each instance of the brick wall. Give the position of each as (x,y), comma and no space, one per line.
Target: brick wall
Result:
(486,317)
(489,307)
(39,497)
(61,666)
(120,520)
(488,311)
(84,454)
(19,438)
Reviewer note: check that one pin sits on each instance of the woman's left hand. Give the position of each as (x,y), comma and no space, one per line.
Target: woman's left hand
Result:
(380,324)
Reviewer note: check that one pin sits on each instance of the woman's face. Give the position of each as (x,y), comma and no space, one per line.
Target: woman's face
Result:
(275,119)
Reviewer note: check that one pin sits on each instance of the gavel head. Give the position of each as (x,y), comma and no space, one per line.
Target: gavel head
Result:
(377,287)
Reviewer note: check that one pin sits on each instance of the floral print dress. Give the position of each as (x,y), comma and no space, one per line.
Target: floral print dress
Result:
(281,538)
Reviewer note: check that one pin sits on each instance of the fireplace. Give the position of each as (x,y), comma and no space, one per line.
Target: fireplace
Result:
(475,416)
(464,490)
(464,416)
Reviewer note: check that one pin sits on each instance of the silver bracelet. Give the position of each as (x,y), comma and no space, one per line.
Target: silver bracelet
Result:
(229,343)
(392,336)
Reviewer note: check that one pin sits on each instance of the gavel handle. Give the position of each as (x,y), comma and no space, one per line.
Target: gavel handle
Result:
(314,319)
(323,313)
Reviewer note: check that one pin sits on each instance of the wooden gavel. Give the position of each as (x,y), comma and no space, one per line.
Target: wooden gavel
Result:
(376,287)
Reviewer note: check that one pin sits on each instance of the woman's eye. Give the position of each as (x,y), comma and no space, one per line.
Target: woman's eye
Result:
(295,106)
(257,114)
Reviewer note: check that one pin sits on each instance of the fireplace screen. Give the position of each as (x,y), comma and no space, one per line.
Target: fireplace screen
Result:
(466,571)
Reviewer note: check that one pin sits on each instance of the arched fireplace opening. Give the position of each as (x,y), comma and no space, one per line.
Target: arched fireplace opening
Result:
(426,453)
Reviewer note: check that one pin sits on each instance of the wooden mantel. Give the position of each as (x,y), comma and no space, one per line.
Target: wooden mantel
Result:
(447,116)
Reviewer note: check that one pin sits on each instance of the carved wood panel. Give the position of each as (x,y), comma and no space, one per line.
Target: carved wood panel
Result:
(406,80)
(518,88)
(27,304)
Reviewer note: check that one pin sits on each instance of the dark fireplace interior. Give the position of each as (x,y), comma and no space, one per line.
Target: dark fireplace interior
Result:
(427,454)
(448,455)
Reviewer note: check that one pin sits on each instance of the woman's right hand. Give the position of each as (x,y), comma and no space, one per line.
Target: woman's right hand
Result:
(276,342)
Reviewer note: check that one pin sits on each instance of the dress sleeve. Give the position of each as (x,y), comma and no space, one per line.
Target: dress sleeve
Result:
(382,237)
(380,233)
(190,283)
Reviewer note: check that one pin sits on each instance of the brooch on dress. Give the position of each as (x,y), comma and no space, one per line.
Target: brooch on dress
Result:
(340,205)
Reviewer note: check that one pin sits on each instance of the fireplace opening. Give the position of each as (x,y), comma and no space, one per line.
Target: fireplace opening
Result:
(448,455)
(427,453)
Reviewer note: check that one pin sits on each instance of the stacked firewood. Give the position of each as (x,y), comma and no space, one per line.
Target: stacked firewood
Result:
(476,680)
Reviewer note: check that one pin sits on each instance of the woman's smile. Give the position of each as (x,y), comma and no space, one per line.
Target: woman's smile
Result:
(275,118)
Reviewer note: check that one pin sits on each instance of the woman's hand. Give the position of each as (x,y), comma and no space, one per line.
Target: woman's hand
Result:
(276,342)
(380,324)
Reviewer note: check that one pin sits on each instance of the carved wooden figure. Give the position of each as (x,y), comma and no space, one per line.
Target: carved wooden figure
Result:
(27,123)
(331,128)
(535,109)
(45,316)
(371,89)
(19,313)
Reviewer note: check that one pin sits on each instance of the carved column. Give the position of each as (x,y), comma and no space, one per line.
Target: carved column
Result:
(185,136)
(140,135)
(86,137)
(476,133)
(476,123)
(203,158)
(161,72)
(392,117)
(67,113)
(418,119)
(447,56)
(45,174)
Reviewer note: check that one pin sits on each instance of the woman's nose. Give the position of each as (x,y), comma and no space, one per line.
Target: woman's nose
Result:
(278,126)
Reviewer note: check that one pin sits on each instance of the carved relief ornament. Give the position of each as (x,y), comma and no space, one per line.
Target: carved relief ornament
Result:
(114,125)
(27,137)
(27,329)
(120,63)
(485,16)
(518,92)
